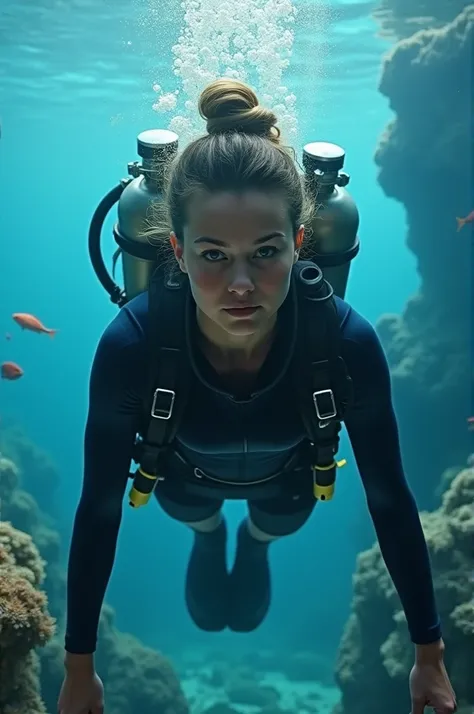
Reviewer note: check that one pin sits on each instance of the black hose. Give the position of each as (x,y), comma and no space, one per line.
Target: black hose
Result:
(117,295)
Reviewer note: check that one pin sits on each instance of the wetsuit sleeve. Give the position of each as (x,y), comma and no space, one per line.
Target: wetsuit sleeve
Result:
(373,431)
(111,427)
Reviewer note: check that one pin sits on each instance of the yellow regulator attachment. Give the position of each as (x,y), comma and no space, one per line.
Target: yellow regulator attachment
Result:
(142,488)
(324,478)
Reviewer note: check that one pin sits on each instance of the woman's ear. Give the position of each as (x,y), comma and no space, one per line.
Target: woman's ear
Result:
(178,251)
(298,243)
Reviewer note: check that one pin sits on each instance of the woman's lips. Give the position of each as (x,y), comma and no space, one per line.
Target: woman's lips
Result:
(241,311)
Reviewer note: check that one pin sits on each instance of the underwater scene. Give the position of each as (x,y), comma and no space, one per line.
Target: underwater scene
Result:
(236,394)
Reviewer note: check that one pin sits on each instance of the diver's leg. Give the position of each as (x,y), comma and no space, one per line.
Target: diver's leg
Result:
(250,581)
(207,580)
(206,591)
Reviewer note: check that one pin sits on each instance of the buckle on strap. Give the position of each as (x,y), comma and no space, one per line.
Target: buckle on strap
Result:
(325,405)
(163,403)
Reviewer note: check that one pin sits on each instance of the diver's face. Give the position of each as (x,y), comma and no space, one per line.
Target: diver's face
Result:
(238,252)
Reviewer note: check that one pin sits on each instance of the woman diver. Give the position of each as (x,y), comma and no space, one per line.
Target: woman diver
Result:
(237,210)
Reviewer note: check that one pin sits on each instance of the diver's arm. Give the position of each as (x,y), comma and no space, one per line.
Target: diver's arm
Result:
(109,438)
(373,432)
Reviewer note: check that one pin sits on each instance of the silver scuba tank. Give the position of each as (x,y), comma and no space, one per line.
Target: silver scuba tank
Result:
(334,241)
(157,147)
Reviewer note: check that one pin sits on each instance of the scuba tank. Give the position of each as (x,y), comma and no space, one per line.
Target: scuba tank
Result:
(334,240)
(157,148)
(334,226)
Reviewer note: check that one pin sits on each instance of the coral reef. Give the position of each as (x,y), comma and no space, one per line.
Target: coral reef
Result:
(135,677)
(425,160)
(25,622)
(375,654)
(21,508)
(402,18)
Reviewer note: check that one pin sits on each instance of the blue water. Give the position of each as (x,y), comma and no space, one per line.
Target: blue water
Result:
(75,89)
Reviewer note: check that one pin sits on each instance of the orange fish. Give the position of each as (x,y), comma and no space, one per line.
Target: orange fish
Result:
(462,221)
(30,322)
(11,371)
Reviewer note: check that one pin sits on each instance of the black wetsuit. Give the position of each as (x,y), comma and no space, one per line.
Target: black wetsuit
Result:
(239,440)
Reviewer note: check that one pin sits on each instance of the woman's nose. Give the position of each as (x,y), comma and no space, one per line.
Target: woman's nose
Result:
(241,282)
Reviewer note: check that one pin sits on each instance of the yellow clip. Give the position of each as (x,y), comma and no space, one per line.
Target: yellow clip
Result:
(338,464)
(146,475)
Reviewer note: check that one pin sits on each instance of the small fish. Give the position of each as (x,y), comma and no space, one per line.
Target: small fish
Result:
(8,336)
(11,371)
(470,423)
(30,322)
(462,221)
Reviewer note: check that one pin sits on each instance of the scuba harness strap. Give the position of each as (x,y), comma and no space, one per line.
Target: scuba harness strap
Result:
(168,379)
(320,376)
(319,373)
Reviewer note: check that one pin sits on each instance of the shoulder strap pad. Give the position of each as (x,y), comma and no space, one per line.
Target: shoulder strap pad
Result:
(168,365)
(320,374)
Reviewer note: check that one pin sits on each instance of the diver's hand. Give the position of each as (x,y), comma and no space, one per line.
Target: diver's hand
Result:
(429,681)
(82,693)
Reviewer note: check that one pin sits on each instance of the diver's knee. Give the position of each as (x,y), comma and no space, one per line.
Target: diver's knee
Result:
(258,534)
(207,525)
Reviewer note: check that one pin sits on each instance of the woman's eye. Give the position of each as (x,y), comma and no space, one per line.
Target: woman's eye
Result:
(213,256)
(269,251)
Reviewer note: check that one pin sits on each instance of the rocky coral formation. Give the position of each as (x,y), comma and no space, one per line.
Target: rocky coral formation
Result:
(25,622)
(375,654)
(40,475)
(402,18)
(135,677)
(425,160)
(21,508)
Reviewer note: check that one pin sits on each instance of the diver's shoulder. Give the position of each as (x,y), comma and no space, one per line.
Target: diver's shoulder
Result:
(354,326)
(128,327)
